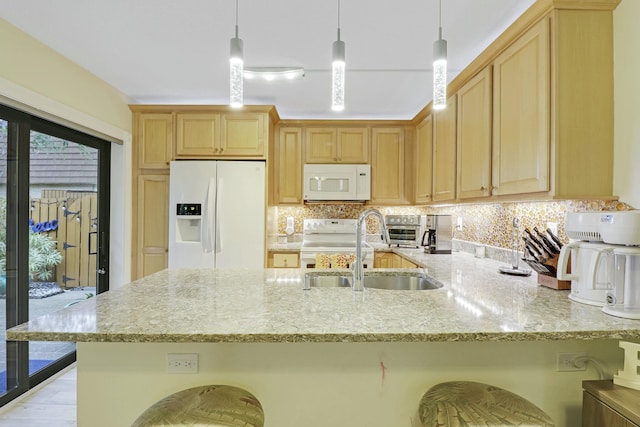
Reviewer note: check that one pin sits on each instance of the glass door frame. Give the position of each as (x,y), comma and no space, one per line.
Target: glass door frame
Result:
(20,125)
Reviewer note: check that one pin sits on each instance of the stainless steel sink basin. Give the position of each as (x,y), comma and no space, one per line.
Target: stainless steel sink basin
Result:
(401,281)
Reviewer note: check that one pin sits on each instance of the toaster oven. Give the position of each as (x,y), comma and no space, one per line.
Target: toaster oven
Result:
(405,230)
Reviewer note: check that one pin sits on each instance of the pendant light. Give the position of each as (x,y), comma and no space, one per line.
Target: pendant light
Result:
(236,62)
(440,68)
(337,74)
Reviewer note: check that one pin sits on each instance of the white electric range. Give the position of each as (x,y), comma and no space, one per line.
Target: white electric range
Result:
(331,237)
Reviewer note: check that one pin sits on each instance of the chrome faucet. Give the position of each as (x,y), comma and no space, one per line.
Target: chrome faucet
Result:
(358,274)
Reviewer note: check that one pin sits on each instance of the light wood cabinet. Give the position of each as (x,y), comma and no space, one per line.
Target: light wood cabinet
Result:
(607,404)
(383,259)
(154,140)
(243,134)
(283,260)
(198,134)
(474,137)
(387,166)
(336,145)
(288,166)
(521,94)
(215,135)
(152,224)
(391,260)
(444,153)
(423,168)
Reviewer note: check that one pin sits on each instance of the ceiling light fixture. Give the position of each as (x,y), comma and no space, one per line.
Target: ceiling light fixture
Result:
(273,73)
(337,68)
(236,61)
(440,68)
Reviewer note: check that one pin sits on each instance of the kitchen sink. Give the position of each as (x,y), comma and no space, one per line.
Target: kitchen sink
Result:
(400,281)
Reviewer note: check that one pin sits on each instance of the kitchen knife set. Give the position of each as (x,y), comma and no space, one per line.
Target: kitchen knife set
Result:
(541,250)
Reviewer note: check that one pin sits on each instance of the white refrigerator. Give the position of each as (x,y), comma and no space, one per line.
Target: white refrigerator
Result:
(217,214)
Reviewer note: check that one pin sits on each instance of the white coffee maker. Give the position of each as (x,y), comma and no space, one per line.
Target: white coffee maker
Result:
(587,269)
(622,229)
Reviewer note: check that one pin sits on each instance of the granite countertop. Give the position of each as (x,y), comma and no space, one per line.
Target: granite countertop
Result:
(476,303)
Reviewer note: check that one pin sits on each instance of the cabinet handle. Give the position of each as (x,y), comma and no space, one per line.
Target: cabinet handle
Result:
(428,196)
(222,149)
(483,188)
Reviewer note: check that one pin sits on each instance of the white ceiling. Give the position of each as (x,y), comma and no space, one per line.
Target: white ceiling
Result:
(176,52)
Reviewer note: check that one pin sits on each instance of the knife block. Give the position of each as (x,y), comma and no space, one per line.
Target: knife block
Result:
(547,273)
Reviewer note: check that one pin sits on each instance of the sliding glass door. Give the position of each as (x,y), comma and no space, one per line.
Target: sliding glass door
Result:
(54,204)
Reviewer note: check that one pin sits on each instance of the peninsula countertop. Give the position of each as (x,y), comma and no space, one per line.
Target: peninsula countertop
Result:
(476,303)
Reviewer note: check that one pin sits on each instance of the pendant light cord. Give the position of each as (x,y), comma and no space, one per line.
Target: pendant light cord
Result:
(440,20)
(236,18)
(338,19)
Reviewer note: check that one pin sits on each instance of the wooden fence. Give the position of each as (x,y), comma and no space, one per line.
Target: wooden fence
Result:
(72,222)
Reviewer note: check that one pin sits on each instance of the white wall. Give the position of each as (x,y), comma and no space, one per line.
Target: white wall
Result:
(333,384)
(37,79)
(626,178)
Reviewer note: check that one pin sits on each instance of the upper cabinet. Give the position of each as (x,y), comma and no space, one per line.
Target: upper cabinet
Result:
(287,169)
(423,159)
(336,145)
(205,134)
(387,166)
(198,134)
(474,137)
(154,140)
(521,114)
(444,153)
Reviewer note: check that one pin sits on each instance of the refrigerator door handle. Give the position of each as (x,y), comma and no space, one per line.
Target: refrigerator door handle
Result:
(218,229)
(208,227)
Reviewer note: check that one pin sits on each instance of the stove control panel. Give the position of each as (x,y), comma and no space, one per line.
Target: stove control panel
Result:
(329,226)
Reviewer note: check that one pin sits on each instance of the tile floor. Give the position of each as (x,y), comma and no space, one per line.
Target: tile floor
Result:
(51,404)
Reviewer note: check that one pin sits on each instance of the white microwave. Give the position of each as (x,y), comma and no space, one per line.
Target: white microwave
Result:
(337,182)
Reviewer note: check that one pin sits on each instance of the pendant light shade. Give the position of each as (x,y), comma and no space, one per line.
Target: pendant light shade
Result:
(440,69)
(337,71)
(236,64)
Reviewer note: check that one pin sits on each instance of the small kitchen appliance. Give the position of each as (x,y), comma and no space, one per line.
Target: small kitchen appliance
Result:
(405,230)
(582,260)
(623,294)
(437,234)
(337,182)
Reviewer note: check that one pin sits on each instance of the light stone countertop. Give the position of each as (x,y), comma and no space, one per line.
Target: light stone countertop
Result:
(476,303)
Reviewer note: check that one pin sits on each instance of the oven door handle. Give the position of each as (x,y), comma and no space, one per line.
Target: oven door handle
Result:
(423,236)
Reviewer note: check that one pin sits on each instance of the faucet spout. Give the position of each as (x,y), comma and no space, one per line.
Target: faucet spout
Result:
(358,270)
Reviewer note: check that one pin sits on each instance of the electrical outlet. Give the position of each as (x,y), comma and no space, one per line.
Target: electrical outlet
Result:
(567,362)
(182,363)
(459,224)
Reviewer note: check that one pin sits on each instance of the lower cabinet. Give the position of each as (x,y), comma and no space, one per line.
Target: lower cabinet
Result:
(610,405)
(283,260)
(391,260)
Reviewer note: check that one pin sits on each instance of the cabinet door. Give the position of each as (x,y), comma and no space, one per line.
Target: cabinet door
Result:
(283,260)
(521,114)
(152,224)
(198,134)
(155,140)
(474,137)
(387,166)
(596,414)
(423,161)
(405,263)
(289,167)
(243,135)
(383,259)
(320,145)
(444,153)
(353,145)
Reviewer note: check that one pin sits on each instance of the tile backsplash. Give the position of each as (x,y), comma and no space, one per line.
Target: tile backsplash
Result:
(487,224)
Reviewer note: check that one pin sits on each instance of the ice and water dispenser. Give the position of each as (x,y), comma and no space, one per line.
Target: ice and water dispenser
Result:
(188,222)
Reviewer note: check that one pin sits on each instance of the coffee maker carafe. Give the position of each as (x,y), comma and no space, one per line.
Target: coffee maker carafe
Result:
(436,238)
(623,294)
